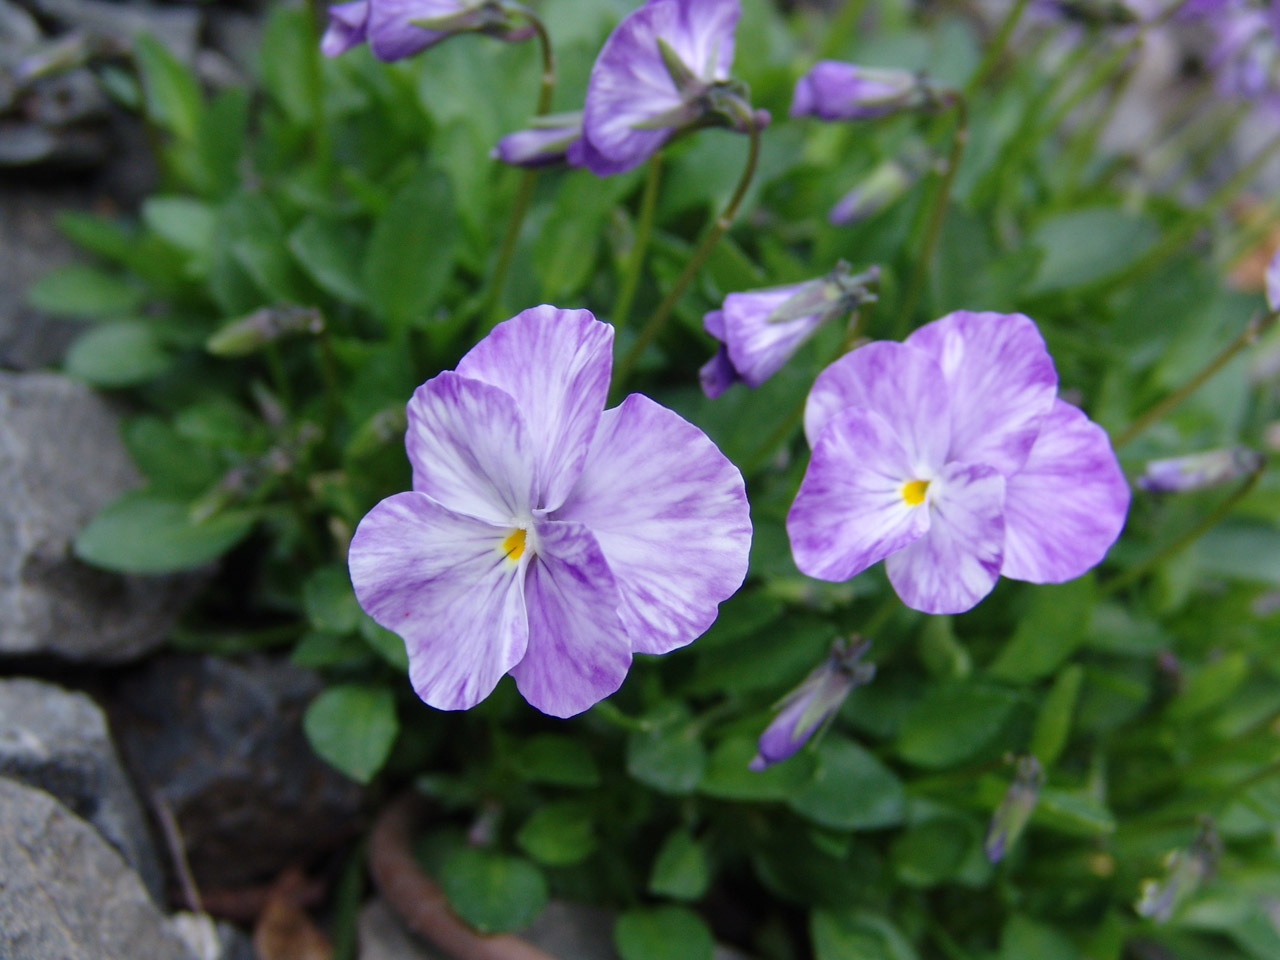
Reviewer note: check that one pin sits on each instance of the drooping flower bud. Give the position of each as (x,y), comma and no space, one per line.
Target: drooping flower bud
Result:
(885,184)
(1185,870)
(1015,810)
(396,29)
(267,325)
(548,139)
(1200,470)
(802,711)
(1273,283)
(833,90)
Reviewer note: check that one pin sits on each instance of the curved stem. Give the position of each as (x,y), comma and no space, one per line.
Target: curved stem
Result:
(996,48)
(1134,574)
(722,223)
(933,229)
(524,193)
(640,244)
(1256,326)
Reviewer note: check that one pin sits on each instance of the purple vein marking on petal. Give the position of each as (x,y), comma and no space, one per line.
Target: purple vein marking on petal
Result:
(670,514)
(850,511)
(442,582)
(757,347)
(957,562)
(555,364)
(1068,504)
(470,449)
(1001,380)
(578,650)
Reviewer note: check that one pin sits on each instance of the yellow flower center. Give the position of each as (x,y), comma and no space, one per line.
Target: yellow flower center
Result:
(513,546)
(913,491)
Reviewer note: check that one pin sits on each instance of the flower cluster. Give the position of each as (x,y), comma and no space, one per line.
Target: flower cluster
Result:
(544,536)
(952,458)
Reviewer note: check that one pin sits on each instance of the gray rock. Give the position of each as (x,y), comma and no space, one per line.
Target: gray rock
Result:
(221,743)
(381,936)
(58,741)
(178,29)
(61,460)
(65,894)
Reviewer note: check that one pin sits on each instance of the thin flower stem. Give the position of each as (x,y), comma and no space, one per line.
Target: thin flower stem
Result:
(933,228)
(329,373)
(640,244)
(654,324)
(524,194)
(608,712)
(888,607)
(1172,549)
(996,48)
(1256,326)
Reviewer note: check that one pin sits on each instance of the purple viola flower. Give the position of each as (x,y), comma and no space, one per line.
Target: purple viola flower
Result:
(833,90)
(1199,471)
(951,458)
(815,701)
(1273,282)
(663,70)
(395,29)
(554,138)
(544,536)
(1245,55)
(760,330)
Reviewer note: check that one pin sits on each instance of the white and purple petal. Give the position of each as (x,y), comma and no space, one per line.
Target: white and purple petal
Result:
(555,364)
(470,449)
(1068,503)
(578,651)
(670,513)
(957,562)
(758,348)
(902,385)
(833,90)
(851,510)
(445,584)
(346,29)
(391,32)
(1001,380)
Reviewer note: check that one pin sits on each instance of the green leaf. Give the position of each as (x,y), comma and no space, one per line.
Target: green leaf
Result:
(1082,247)
(318,649)
(389,646)
(1053,722)
(1209,685)
(173,465)
(663,933)
(185,222)
(1074,813)
(142,534)
(577,222)
(953,723)
(669,757)
(329,601)
(849,790)
(84,292)
(173,94)
(729,777)
(287,63)
(492,892)
(119,354)
(330,253)
(557,760)
(681,870)
(411,253)
(857,935)
(929,853)
(353,727)
(1049,632)
(559,834)
(1023,937)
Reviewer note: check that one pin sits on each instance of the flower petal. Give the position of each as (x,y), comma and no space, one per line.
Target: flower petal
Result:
(957,562)
(1001,380)
(444,583)
(1067,505)
(556,364)
(900,384)
(393,36)
(850,511)
(578,649)
(346,27)
(470,449)
(758,348)
(717,374)
(670,513)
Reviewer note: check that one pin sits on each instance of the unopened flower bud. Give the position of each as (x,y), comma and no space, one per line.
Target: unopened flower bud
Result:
(885,184)
(814,702)
(547,140)
(267,325)
(1200,470)
(1015,809)
(1273,283)
(832,90)
(1185,870)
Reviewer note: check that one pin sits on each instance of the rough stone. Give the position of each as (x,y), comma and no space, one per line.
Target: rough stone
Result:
(58,741)
(65,894)
(61,460)
(221,743)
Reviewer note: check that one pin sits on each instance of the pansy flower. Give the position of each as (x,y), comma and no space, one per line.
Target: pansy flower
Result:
(395,29)
(545,536)
(952,458)
(664,69)
(760,330)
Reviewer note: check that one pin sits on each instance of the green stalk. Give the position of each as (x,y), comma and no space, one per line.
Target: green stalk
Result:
(996,48)
(640,244)
(718,228)
(841,27)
